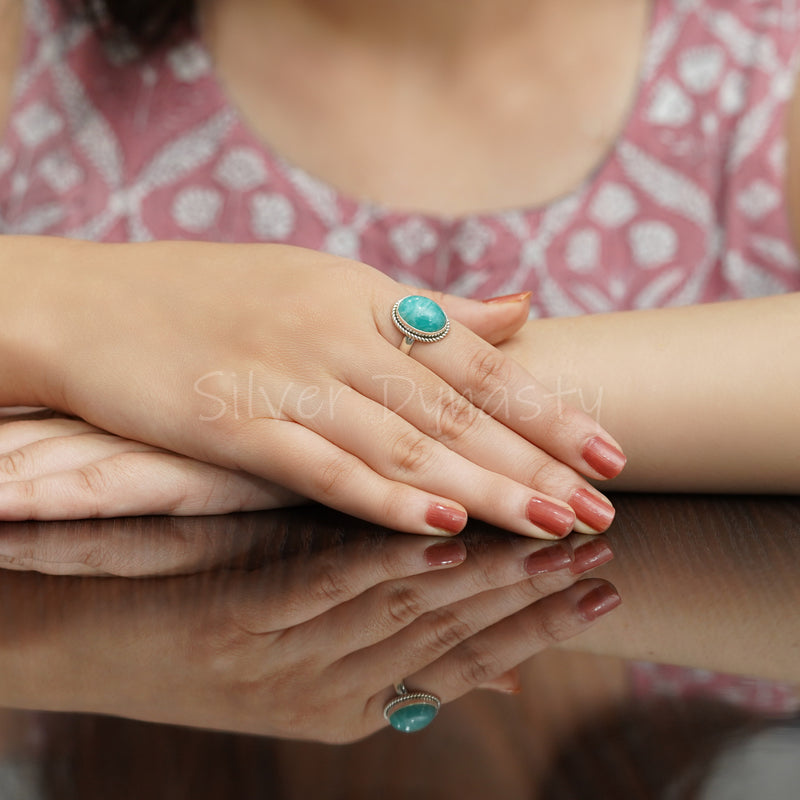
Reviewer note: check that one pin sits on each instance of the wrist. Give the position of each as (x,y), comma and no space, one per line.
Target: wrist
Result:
(39,275)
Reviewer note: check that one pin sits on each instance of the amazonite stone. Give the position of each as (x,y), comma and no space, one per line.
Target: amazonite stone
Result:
(414,717)
(422,314)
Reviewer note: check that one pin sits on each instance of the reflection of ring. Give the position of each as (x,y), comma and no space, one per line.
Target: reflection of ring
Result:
(419,319)
(411,711)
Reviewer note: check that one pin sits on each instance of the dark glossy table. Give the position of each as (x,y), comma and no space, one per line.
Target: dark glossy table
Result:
(724,569)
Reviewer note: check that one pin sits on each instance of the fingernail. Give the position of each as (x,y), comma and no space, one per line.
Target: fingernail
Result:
(445,554)
(591,555)
(550,517)
(591,509)
(509,298)
(603,457)
(549,559)
(446,518)
(597,602)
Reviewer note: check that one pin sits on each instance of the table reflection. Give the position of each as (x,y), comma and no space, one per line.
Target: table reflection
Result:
(708,582)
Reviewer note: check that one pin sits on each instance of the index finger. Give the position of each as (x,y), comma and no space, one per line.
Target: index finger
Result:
(500,387)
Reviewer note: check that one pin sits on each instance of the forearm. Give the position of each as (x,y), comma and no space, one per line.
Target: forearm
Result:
(702,398)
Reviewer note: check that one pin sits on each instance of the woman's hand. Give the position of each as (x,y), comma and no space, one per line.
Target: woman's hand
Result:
(305,647)
(55,467)
(284,363)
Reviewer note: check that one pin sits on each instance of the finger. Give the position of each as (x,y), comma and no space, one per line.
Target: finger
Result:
(21,432)
(315,468)
(311,588)
(124,548)
(397,450)
(445,623)
(422,607)
(494,320)
(53,454)
(138,483)
(439,411)
(496,383)
(507,683)
(506,644)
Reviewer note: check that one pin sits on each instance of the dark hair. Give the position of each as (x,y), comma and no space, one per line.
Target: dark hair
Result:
(145,23)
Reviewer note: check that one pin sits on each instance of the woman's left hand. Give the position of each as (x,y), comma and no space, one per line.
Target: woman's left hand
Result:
(55,467)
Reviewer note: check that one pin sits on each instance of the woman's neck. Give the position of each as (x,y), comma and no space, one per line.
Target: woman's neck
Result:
(439,31)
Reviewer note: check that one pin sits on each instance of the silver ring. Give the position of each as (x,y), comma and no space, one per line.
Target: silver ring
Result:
(419,319)
(411,711)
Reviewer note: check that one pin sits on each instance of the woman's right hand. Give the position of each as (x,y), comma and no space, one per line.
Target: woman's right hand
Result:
(307,646)
(284,363)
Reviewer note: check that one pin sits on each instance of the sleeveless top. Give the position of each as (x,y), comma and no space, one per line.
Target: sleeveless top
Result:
(688,206)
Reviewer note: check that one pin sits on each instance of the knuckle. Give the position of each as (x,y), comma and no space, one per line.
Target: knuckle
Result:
(561,423)
(546,472)
(330,584)
(334,476)
(478,665)
(447,630)
(489,371)
(552,628)
(404,604)
(411,452)
(95,556)
(14,463)
(455,417)
(92,480)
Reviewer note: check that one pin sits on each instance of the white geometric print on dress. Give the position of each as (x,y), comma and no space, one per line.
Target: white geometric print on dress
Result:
(196,208)
(60,172)
(776,251)
(344,242)
(758,199)
(272,216)
(241,169)
(583,250)
(613,205)
(749,278)
(6,159)
(732,93)
(472,240)
(189,62)
(671,106)
(701,67)
(412,239)
(320,197)
(37,123)
(653,243)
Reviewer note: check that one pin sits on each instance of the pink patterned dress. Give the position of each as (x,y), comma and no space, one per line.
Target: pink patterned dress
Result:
(689,206)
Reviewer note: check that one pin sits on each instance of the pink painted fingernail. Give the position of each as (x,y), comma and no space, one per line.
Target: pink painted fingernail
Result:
(592,510)
(550,517)
(603,457)
(508,298)
(591,555)
(599,601)
(446,518)
(549,559)
(445,554)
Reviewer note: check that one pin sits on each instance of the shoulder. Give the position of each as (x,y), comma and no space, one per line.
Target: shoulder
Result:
(11,34)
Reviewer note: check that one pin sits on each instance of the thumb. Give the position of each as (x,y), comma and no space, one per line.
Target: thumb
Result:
(494,320)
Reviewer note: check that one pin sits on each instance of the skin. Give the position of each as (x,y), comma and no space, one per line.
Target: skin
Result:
(597,352)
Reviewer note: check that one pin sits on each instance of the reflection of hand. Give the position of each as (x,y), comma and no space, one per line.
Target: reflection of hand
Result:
(305,647)
(62,468)
(282,362)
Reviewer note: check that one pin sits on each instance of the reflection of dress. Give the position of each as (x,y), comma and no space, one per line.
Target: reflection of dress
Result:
(689,206)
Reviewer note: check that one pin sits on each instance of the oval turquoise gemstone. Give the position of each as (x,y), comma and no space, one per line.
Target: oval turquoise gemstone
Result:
(414,717)
(422,314)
